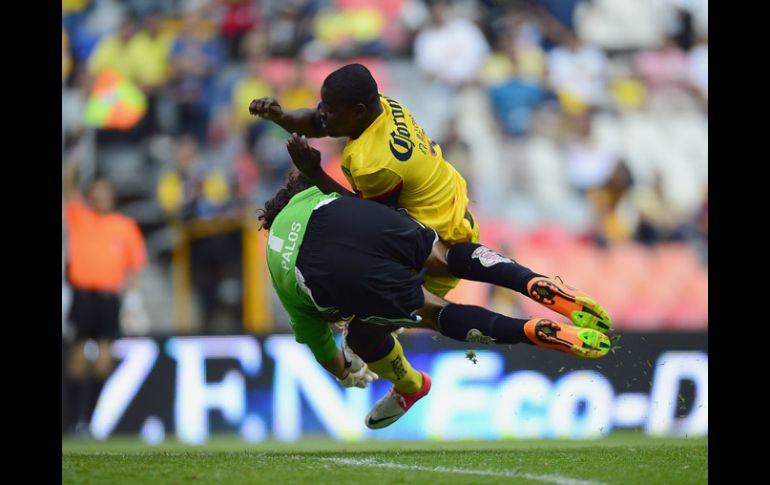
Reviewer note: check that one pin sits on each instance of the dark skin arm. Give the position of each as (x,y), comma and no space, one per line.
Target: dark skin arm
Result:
(304,122)
(308,161)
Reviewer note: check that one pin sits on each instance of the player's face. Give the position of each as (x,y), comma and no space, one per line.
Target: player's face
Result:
(337,117)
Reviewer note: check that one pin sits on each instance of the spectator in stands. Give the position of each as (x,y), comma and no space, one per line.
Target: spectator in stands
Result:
(454,148)
(193,188)
(106,254)
(450,49)
(290,26)
(349,32)
(665,67)
(74,14)
(659,219)
(136,60)
(515,100)
(152,45)
(114,52)
(588,164)
(297,93)
(66,56)
(577,73)
(702,228)
(247,176)
(195,59)
(251,84)
(196,190)
(615,215)
(238,17)
(698,64)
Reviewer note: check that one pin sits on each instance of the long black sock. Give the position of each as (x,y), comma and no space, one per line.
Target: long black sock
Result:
(459,322)
(471,261)
(96,389)
(74,402)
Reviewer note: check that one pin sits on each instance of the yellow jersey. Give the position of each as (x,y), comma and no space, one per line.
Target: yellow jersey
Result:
(394,154)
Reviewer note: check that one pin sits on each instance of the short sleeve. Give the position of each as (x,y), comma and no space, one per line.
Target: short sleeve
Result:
(75,210)
(379,185)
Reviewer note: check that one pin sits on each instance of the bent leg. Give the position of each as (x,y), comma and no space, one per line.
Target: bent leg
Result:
(475,262)
(383,353)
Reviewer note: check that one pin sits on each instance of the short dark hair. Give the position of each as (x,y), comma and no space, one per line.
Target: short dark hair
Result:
(295,183)
(354,83)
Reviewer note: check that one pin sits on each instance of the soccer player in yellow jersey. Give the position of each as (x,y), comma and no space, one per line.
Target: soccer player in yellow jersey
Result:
(388,158)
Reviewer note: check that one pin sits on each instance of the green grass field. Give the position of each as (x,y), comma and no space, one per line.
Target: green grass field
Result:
(621,458)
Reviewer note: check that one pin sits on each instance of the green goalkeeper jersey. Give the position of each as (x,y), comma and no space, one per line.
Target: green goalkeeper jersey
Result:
(283,243)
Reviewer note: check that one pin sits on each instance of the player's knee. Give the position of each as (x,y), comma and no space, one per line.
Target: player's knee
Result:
(364,338)
(430,310)
(436,264)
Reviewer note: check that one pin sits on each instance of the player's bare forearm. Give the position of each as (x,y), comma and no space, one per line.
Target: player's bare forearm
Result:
(336,365)
(302,121)
(308,161)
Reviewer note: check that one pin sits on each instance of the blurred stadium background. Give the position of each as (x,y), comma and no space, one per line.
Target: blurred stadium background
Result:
(581,127)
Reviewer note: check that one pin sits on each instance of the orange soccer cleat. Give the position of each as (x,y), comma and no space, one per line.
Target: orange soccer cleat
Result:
(583,310)
(582,342)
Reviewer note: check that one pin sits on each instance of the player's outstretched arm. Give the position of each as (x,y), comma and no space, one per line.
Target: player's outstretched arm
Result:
(308,161)
(302,121)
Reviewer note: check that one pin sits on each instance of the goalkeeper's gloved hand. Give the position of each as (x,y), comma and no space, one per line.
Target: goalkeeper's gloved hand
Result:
(360,378)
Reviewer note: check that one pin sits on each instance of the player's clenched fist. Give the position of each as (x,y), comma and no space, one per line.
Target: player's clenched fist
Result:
(267,108)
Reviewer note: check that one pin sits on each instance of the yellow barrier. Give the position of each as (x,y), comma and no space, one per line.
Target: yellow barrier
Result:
(257,304)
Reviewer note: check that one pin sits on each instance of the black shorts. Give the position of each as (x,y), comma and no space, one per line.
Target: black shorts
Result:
(95,314)
(365,259)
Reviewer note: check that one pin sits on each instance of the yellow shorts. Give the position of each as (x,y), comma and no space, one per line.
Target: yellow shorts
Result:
(441,285)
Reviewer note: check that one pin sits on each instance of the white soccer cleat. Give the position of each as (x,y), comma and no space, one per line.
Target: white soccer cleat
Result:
(394,404)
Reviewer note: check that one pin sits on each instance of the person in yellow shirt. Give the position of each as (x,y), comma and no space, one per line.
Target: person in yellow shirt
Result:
(297,92)
(151,47)
(113,52)
(252,82)
(66,57)
(388,158)
(150,51)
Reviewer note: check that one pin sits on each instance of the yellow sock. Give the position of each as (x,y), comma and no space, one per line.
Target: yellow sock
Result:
(395,368)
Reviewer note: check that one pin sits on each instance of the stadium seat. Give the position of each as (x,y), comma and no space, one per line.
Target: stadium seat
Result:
(690,310)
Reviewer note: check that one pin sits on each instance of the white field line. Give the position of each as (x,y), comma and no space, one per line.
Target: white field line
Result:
(548,478)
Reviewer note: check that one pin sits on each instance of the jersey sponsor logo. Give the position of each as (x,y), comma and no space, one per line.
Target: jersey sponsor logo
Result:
(288,248)
(488,258)
(401,144)
(373,421)
(475,335)
(397,365)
